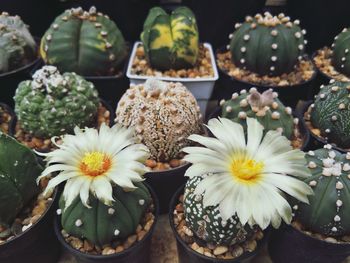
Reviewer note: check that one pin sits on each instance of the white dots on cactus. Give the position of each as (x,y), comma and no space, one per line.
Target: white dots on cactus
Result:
(296,22)
(234,96)
(104,33)
(141,202)
(111,57)
(346,167)
(116,232)
(339,185)
(331,81)
(46,48)
(242,60)
(347,156)
(275,115)
(246,37)
(333,45)
(243,49)
(279,130)
(280,15)
(313,183)
(336,218)
(328,162)
(349,176)
(288,110)
(301,47)
(78,223)
(253,26)
(322,96)
(341,106)
(312,165)
(344,30)
(243,103)
(111,211)
(49,37)
(334,229)
(327,130)
(248,19)
(339,203)
(328,146)
(300,58)
(274,58)
(295,207)
(64,18)
(275,95)
(272,68)
(228,47)
(59,211)
(297,34)
(326,172)
(311,153)
(346,51)
(230,36)
(332,154)
(108,45)
(243,91)
(289,24)
(334,118)
(274,105)
(274,32)
(229,109)
(303,32)
(55,26)
(238,25)
(222,102)
(242,115)
(305,42)
(274,46)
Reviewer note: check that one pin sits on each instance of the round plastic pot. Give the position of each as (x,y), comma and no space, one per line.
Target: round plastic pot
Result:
(37,244)
(10,80)
(302,128)
(11,131)
(137,253)
(289,245)
(289,95)
(315,141)
(186,254)
(165,184)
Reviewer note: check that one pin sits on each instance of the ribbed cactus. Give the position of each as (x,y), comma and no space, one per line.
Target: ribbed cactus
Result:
(164,115)
(330,113)
(170,41)
(19,169)
(265,107)
(267,45)
(53,104)
(101,223)
(341,55)
(17,46)
(207,223)
(88,43)
(329,209)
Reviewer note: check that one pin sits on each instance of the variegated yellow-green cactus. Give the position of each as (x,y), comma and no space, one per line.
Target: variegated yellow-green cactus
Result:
(170,41)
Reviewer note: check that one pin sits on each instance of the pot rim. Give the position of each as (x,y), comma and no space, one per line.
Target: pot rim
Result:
(185,166)
(73,251)
(21,69)
(244,256)
(275,87)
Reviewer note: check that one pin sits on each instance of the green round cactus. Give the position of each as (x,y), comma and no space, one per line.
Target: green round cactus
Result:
(207,223)
(88,43)
(341,55)
(101,223)
(19,169)
(17,46)
(53,104)
(330,113)
(170,41)
(329,209)
(267,45)
(265,107)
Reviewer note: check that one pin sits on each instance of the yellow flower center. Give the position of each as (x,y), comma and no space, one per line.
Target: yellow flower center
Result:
(95,164)
(246,170)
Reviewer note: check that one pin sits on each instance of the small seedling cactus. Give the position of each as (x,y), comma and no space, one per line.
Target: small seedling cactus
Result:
(19,169)
(170,41)
(330,113)
(267,45)
(17,46)
(265,107)
(53,104)
(329,209)
(341,51)
(164,115)
(88,43)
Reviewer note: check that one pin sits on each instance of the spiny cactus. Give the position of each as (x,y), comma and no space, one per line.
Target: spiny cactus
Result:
(265,107)
(88,43)
(207,223)
(330,113)
(267,45)
(19,169)
(329,209)
(170,41)
(164,115)
(101,223)
(53,104)
(17,46)
(341,55)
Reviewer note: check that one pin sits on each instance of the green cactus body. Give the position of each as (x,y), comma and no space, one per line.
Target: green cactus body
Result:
(267,45)
(331,114)
(102,224)
(19,169)
(207,223)
(87,43)
(170,41)
(265,107)
(17,46)
(341,52)
(329,209)
(53,104)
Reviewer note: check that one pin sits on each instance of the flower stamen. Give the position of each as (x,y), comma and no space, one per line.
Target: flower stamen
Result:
(245,169)
(95,164)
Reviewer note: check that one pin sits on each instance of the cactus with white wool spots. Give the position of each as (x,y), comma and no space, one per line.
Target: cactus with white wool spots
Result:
(341,52)
(329,209)
(265,107)
(267,45)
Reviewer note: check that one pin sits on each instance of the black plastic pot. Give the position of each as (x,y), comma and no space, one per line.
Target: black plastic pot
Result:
(315,141)
(10,80)
(37,244)
(11,131)
(137,253)
(289,245)
(165,184)
(303,130)
(289,95)
(188,255)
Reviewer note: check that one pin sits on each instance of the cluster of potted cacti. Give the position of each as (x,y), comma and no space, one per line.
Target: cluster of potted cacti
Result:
(229,187)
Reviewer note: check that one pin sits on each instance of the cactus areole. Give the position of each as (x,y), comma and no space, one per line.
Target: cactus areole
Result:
(267,45)
(341,52)
(170,41)
(87,43)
